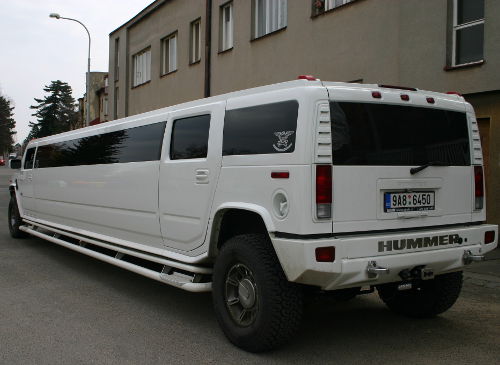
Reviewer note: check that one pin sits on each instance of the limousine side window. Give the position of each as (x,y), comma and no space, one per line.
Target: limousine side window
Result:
(29,159)
(190,138)
(128,145)
(261,129)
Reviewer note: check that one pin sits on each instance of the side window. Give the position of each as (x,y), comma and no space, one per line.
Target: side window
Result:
(190,138)
(262,129)
(29,158)
(128,145)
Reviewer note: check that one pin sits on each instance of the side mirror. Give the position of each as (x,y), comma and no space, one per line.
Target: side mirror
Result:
(15,164)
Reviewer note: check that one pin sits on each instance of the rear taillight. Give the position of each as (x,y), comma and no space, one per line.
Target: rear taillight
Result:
(324,191)
(478,187)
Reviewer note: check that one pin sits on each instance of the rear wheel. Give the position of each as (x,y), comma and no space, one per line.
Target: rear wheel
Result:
(429,299)
(256,306)
(15,220)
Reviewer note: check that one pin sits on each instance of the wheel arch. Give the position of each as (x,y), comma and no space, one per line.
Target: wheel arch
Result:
(228,221)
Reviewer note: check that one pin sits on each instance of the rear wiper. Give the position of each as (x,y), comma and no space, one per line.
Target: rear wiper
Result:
(415,170)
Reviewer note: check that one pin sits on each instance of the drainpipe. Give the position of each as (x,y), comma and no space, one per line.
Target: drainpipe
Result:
(208,46)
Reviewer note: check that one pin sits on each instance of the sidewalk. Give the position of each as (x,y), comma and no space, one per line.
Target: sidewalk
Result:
(486,273)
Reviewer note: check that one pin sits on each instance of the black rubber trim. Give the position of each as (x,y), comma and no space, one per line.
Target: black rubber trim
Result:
(364,233)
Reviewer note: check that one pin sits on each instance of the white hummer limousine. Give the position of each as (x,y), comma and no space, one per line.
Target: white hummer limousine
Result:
(266,194)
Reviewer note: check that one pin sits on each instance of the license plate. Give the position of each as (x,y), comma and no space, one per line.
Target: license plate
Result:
(407,202)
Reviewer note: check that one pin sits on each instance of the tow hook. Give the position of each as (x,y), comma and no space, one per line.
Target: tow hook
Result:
(373,270)
(469,257)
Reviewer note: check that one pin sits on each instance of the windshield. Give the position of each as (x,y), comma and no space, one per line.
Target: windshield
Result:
(381,134)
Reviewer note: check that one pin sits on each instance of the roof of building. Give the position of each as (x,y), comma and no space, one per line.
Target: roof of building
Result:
(142,14)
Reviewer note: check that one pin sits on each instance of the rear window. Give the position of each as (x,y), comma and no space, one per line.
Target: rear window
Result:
(378,134)
(261,129)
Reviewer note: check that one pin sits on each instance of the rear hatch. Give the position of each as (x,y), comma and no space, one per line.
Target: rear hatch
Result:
(399,161)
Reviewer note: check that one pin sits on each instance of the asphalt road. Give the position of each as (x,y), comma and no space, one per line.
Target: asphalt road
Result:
(61,307)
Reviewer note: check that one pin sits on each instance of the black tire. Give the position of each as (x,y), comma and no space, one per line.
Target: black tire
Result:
(15,220)
(432,298)
(256,306)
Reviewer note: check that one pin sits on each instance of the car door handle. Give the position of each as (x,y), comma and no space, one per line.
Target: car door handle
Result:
(202,176)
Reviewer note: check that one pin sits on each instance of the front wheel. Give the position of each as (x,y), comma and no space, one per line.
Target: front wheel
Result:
(15,220)
(431,298)
(256,306)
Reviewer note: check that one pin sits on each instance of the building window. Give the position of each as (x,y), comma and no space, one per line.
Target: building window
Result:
(195,42)
(117,59)
(169,54)
(320,6)
(468,31)
(269,16)
(106,107)
(226,27)
(142,67)
(116,97)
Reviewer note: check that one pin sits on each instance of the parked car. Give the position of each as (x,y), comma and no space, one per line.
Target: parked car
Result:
(264,195)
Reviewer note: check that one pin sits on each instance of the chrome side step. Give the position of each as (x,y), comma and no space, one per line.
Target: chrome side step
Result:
(188,277)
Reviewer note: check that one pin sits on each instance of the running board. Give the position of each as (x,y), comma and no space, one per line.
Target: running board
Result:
(188,277)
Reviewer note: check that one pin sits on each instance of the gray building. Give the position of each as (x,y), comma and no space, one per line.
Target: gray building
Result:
(98,99)
(174,51)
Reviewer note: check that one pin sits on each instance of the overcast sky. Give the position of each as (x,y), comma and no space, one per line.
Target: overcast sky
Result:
(36,49)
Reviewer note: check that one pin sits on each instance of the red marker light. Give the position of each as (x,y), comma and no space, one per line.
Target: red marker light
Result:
(377,94)
(280,174)
(307,77)
(430,100)
(325,254)
(489,237)
(405,97)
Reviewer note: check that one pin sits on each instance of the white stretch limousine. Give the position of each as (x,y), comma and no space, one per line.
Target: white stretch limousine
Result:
(260,194)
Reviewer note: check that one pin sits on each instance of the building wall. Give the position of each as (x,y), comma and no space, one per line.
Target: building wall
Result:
(374,41)
(96,83)
(425,45)
(118,75)
(383,41)
(330,46)
(184,84)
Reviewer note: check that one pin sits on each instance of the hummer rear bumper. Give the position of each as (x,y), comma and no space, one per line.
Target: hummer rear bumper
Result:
(357,257)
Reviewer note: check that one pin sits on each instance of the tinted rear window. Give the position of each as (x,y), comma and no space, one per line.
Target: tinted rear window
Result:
(261,129)
(378,134)
(128,145)
(190,137)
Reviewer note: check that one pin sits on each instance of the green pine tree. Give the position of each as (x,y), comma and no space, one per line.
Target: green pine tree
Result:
(7,125)
(55,113)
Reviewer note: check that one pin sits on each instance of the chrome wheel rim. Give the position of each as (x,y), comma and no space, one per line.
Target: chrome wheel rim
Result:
(241,295)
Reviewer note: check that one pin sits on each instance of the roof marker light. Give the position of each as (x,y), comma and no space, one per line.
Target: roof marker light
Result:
(453,93)
(405,97)
(430,100)
(377,94)
(307,77)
